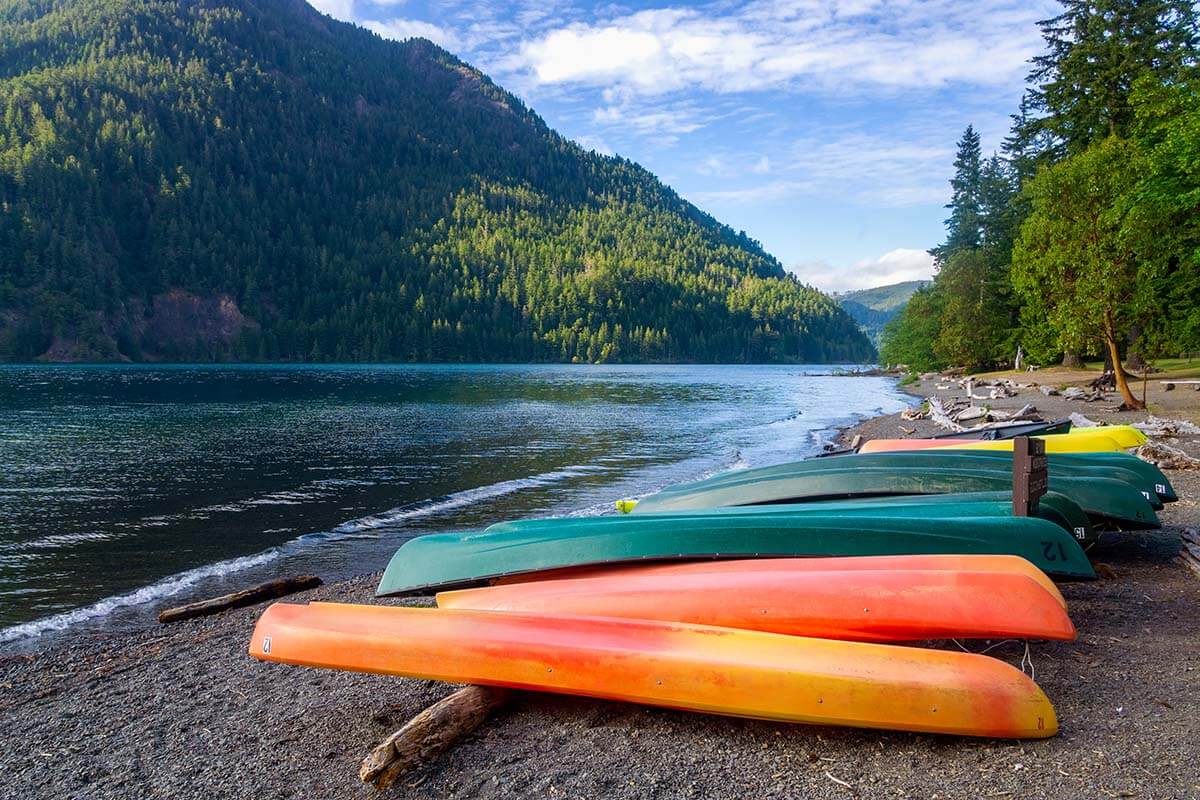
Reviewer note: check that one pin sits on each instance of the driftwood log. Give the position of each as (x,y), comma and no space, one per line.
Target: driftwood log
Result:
(430,733)
(1190,553)
(939,414)
(247,597)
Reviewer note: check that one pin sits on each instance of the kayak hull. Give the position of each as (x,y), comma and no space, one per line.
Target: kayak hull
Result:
(458,560)
(695,668)
(788,596)
(1012,565)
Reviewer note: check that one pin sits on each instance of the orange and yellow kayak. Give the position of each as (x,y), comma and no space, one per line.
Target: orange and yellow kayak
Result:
(786,595)
(691,667)
(1054,444)
(935,561)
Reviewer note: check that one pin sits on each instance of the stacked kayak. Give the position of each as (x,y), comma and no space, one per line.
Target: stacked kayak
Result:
(1115,489)
(451,560)
(717,670)
(778,593)
(1106,439)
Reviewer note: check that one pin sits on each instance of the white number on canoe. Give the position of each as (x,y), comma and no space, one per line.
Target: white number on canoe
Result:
(266,645)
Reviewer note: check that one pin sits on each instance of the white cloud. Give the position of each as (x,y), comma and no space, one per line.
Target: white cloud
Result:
(822,44)
(774,190)
(338,9)
(400,28)
(762,166)
(894,266)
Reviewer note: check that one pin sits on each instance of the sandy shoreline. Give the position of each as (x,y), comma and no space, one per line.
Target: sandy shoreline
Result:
(182,711)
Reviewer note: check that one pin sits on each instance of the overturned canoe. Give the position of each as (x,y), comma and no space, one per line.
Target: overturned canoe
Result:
(1055,507)
(1113,501)
(690,667)
(789,595)
(1142,475)
(455,560)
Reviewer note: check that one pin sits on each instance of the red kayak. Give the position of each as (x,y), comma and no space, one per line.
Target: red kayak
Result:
(799,597)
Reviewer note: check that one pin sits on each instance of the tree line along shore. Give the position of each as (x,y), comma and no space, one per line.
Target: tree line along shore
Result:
(1081,237)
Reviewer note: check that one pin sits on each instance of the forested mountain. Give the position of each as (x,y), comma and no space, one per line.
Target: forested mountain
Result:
(250,179)
(874,308)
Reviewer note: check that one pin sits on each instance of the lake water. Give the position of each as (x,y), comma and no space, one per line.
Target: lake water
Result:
(125,487)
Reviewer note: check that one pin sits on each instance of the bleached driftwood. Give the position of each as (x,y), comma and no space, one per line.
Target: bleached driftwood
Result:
(941,416)
(1159,427)
(247,597)
(431,733)
(1166,457)
(1080,421)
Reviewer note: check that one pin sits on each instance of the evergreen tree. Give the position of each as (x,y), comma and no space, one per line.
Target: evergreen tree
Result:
(1095,51)
(963,225)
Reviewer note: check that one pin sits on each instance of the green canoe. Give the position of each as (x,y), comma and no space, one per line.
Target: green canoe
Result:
(1055,507)
(450,560)
(1150,480)
(1110,502)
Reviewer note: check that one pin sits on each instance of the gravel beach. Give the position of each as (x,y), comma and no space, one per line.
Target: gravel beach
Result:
(183,712)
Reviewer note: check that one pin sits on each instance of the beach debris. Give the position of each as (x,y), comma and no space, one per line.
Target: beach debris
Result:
(1074,392)
(431,733)
(914,413)
(1189,554)
(970,413)
(940,414)
(1080,421)
(1164,456)
(1049,391)
(1163,428)
(247,597)
(1026,412)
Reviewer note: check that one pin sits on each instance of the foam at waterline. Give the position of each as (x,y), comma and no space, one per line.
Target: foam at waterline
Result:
(354,529)
(156,591)
(467,497)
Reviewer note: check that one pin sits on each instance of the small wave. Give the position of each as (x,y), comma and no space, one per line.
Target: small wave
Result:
(354,529)
(155,591)
(54,541)
(426,508)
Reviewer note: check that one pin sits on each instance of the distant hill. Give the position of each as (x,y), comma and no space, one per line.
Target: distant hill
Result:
(874,308)
(253,180)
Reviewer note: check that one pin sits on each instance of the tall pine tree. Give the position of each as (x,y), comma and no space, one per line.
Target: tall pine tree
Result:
(963,224)
(1096,50)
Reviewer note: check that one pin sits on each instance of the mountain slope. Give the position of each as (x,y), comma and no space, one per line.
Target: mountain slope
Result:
(874,308)
(250,179)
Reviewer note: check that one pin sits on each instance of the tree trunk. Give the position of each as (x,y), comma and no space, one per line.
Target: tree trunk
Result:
(1072,360)
(1110,340)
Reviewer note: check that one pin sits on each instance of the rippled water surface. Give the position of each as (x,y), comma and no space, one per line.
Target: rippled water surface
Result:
(123,486)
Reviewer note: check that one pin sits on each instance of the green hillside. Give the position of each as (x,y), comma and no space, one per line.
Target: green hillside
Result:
(227,179)
(874,308)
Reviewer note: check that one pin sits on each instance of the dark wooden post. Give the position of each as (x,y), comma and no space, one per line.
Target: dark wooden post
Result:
(1030,475)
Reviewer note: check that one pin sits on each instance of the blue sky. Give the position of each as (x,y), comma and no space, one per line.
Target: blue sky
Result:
(823,128)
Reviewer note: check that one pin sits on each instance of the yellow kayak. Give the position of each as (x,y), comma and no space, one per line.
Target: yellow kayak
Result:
(1092,440)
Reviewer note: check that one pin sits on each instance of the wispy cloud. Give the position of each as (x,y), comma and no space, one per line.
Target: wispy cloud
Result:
(829,45)
(895,266)
(399,28)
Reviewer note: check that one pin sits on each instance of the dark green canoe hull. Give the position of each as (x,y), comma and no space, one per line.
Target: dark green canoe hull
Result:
(444,561)
(1108,501)
(1145,477)
(1150,479)
(1055,507)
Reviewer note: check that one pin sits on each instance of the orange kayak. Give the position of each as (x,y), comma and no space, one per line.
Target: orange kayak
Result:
(937,561)
(785,595)
(1054,444)
(689,667)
